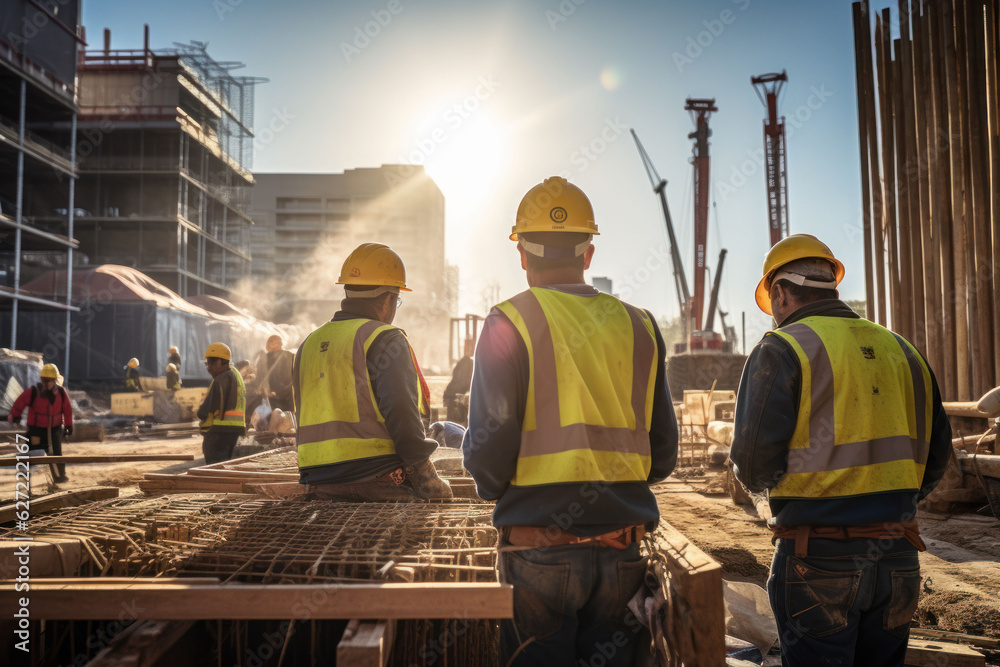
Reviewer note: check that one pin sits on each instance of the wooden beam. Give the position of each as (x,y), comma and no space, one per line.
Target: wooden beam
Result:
(163,599)
(861,34)
(120,458)
(366,644)
(944,635)
(56,501)
(189,484)
(923,653)
(142,643)
(963,409)
(697,625)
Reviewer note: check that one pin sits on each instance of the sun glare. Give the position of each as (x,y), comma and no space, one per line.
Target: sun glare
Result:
(467,165)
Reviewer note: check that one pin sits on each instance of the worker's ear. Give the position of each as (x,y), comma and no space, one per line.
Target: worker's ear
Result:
(524,257)
(588,256)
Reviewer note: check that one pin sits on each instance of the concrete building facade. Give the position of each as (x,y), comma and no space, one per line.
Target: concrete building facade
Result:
(38,172)
(307,224)
(165,152)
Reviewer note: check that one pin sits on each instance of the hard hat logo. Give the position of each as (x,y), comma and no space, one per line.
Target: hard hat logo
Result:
(355,272)
(558,214)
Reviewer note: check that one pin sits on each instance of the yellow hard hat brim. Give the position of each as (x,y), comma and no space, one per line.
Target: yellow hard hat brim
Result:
(763,296)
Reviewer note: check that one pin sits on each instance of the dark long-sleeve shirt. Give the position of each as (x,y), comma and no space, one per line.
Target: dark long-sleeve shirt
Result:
(394,380)
(496,411)
(767,406)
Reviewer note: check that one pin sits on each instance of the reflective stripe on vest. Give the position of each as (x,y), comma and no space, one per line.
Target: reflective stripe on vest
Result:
(590,390)
(237,415)
(338,418)
(864,411)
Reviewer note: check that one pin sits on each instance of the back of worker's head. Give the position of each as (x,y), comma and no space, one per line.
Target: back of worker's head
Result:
(554,225)
(274,343)
(814,270)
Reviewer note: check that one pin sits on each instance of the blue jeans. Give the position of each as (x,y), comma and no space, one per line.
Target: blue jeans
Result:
(848,602)
(570,606)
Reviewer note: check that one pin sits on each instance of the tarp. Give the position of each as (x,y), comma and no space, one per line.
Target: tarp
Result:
(124,314)
(18,371)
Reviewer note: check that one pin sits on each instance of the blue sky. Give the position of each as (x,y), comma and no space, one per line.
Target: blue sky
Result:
(495,96)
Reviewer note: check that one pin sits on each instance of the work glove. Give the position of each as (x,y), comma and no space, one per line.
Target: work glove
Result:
(425,481)
(68,431)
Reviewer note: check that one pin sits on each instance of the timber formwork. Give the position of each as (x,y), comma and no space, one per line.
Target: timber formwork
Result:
(929,140)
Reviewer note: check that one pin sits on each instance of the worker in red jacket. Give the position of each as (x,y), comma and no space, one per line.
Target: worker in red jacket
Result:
(50,415)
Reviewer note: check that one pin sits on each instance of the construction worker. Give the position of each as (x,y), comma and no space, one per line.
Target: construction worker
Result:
(275,374)
(50,416)
(570,421)
(132,375)
(222,414)
(358,394)
(175,357)
(840,420)
(173,377)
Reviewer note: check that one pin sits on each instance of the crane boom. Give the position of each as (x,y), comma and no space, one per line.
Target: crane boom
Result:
(714,300)
(659,187)
(768,88)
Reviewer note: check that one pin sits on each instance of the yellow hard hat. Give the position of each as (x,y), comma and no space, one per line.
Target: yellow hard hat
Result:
(555,205)
(219,350)
(374,264)
(50,372)
(133,363)
(173,349)
(789,249)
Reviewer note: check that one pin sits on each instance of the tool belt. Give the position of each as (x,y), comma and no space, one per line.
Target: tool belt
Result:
(907,530)
(535,537)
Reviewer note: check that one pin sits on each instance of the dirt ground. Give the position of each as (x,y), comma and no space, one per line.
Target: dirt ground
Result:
(960,569)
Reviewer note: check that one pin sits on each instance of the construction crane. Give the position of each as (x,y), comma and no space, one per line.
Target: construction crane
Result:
(701,110)
(693,336)
(768,88)
(680,281)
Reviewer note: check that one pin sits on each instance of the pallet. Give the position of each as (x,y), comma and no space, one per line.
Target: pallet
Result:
(59,500)
(924,653)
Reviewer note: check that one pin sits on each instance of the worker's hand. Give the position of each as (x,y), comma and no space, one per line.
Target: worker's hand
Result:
(425,481)
(68,431)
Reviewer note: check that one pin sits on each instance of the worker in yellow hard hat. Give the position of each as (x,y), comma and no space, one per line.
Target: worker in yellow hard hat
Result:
(359,394)
(840,421)
(223,411)
(50,416)
(570,421)
(132,382)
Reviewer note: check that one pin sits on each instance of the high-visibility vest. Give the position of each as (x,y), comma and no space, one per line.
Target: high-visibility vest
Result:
(339,419)
(864,411)
(592,368)
(236,416)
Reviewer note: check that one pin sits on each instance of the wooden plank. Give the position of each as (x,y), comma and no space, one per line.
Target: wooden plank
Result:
(963,409)
(279,490)
(698,610)
(923,653)
(56,501)
(944,635)
(163,599)
(120,458)
(186,484)
(860,16)
(244,474)
(366,644)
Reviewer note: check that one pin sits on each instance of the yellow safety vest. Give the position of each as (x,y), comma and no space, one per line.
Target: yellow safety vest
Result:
(233,417)
(592,368)
(339,419)
(864,411)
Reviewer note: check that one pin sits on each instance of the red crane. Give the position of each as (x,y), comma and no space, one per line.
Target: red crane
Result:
(701,110)
(768,87)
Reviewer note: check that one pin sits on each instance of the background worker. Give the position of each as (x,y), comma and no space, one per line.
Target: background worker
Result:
(132,375)
(350,446)
(175,357)
(222,414)
(50,416)
(274,368)
(841,421)
(173,377)
(567,440)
